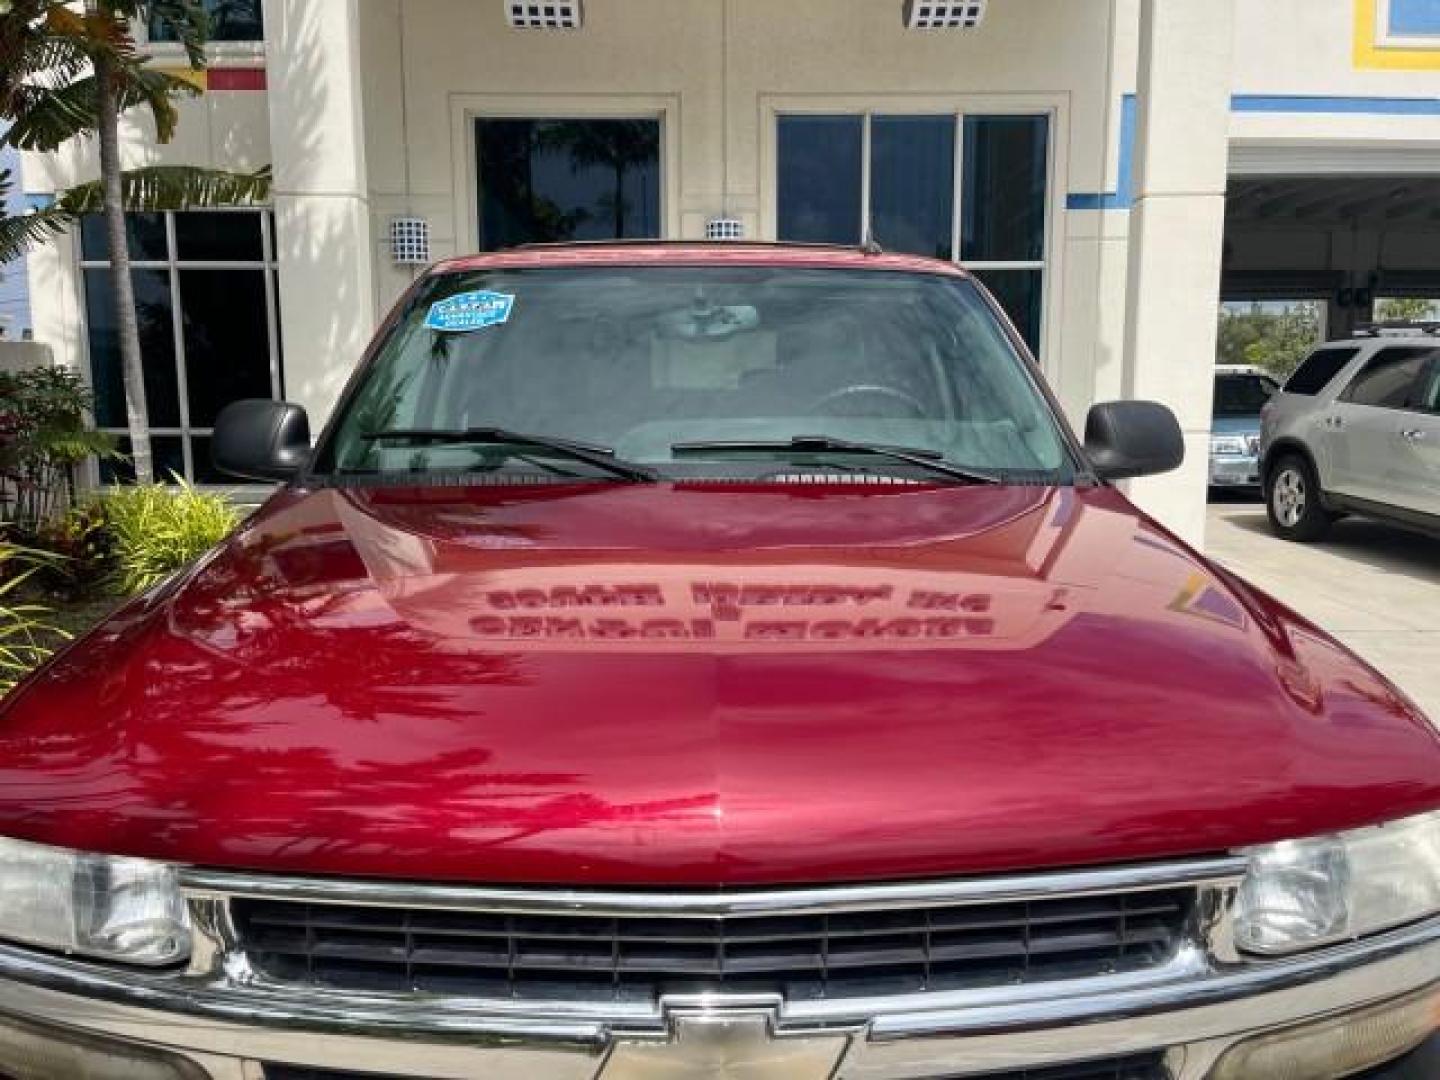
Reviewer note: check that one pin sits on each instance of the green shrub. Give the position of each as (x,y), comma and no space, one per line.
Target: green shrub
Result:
(82,540)
(22,626)
(43,436)
(156,530)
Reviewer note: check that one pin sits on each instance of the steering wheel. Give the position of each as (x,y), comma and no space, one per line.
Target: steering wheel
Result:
(822,403)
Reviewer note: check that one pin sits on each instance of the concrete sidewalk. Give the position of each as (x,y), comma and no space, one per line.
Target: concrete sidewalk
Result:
(1374,587)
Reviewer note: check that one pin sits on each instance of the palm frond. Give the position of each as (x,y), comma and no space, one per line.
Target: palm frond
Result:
(187,21)
(172,187)
(21,232)
(29,52)
(45,117)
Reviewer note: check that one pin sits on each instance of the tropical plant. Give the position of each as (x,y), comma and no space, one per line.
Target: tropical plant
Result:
(1406,309)
(84,547)
(157,529)
(1273,335)
(43,436)
(68,71)
(23,628)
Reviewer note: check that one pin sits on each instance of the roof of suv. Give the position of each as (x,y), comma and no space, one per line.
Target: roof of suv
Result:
(697,253)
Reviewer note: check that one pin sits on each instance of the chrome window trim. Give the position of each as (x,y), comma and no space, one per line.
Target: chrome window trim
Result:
(737,903)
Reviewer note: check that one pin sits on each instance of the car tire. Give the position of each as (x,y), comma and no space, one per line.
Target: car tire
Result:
(1294,501)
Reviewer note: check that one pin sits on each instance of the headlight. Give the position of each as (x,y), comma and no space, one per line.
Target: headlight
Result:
(1306,893)
(129,910)
(1228,444)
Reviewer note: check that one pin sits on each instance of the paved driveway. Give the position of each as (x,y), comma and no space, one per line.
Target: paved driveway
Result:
(1375,588)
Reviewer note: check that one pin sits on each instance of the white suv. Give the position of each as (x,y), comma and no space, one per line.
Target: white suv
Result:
(1356,430)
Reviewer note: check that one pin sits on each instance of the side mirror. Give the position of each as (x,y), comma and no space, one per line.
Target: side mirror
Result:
(1133,438)
(257,439)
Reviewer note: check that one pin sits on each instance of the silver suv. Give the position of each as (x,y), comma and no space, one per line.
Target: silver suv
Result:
(1357,430)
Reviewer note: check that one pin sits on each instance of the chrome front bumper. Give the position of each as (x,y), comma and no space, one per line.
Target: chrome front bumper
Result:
(1234,470)
(223,1020)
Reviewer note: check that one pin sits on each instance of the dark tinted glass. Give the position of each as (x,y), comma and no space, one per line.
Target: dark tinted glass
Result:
(145,233)
(818,197)
(230,20)
(1241,395)
(543,181)
(1430,389)
(1316,371)
(1004,199)
(206,236)
(202,467)
(1019,293)
(227,351)
(912,183)
(157,348)
(1391,379)
(166,454)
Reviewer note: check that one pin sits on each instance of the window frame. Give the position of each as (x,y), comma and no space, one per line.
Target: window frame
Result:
(1054,109)
(1346,395)
(173,267)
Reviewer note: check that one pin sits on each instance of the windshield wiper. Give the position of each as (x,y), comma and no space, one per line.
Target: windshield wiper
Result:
(930,460)
(602,457)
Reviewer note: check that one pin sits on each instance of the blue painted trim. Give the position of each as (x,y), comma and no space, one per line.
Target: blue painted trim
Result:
(1124,194)
(39,202)
(1302,103)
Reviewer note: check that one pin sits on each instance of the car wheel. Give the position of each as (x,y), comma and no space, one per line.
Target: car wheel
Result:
(1293,500)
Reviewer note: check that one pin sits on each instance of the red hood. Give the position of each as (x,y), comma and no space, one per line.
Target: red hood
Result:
(706,685)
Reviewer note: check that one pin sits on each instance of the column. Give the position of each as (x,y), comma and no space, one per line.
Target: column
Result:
(1177,228)
(323,238)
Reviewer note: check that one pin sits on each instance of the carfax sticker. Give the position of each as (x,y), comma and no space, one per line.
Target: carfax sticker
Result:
(463,312)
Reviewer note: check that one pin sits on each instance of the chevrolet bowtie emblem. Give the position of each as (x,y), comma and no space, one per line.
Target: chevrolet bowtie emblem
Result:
(724,1043)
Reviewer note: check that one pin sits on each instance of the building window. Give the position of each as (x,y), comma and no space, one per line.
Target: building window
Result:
(205,297)
(546,181)
(230,20)
(896,176)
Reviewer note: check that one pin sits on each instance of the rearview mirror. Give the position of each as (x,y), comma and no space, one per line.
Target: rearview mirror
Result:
(1133,438)
(257,439)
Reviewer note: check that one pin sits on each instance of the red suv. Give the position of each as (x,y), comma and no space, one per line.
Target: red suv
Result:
(687,661)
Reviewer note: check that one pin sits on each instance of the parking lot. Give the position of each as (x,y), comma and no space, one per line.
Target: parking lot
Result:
(1374,587)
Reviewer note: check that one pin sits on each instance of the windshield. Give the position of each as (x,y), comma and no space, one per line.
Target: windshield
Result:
(637,361)
(1243,395)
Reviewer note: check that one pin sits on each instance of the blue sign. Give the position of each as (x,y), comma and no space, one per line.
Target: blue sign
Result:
(1416,18)
(464,312)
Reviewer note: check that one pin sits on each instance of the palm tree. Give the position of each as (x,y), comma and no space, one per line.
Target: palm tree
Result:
(68,72)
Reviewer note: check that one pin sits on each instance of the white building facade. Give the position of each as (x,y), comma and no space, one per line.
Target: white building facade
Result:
(1075,153)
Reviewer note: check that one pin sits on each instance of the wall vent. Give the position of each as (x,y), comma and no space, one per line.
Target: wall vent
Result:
(545,15)
(944,14)
(724,228)
(410,241)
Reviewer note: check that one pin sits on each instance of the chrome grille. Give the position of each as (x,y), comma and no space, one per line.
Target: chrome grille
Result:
(578,956)
(1140,1067)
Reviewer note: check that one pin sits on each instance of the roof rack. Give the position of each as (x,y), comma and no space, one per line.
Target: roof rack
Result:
(544,245)
(1397,328)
